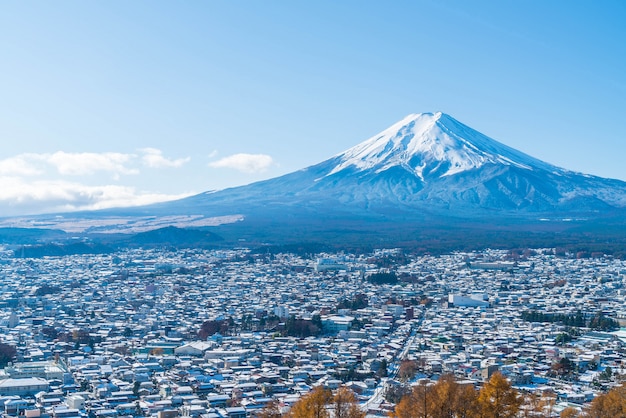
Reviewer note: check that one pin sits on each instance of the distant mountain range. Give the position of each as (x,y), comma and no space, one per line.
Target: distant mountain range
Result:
(426,172)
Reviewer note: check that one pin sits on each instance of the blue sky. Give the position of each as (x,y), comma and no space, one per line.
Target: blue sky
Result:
(120,103)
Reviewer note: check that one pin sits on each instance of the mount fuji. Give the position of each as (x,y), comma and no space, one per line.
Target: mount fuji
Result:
(426,162)
(427,169)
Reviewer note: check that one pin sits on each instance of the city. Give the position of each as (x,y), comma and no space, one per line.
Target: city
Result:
(222,333)
(322,209)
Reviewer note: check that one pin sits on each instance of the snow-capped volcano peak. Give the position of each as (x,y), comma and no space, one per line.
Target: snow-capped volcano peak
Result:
(426,169)
(432,145)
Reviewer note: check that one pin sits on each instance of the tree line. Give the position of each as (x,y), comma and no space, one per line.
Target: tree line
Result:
(449,398)
(578,319)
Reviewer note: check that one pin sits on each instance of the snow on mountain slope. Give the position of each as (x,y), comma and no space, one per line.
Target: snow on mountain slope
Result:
(426,161)
(425,168)
(433,145)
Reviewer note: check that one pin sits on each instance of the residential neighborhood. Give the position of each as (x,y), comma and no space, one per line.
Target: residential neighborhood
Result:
(221,333)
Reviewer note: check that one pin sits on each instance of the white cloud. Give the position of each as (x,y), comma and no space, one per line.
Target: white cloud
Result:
(248,163)
(154,158)
(68,164)
(32,183)
(48,196)
(20,165)
(84,163)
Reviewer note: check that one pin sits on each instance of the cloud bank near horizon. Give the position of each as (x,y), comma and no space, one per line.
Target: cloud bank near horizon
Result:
(34,183)
(39,183)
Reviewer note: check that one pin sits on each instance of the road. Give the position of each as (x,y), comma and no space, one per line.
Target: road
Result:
(379,393)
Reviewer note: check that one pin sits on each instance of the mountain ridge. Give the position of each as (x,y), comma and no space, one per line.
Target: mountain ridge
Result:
(426,170)
(438,168)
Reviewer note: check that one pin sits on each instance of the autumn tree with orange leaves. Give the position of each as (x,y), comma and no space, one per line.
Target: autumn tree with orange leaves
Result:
(417,404)
(312,405)
(444,399)
(449,399)
(569,412)
(466,402)
(609,405)
(498,399)
(321,403)
(346,405)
